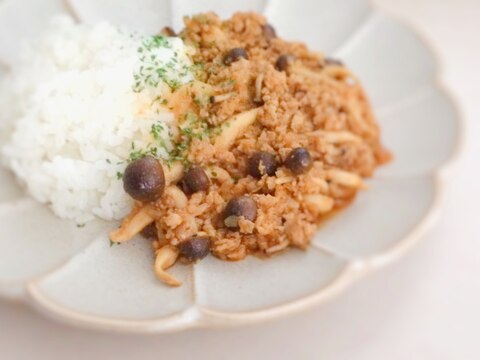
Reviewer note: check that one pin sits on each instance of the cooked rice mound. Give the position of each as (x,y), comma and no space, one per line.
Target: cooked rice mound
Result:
(314,103)
(70,115)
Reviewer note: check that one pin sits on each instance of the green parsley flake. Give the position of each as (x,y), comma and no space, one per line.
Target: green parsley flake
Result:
(160,62)
(192,128)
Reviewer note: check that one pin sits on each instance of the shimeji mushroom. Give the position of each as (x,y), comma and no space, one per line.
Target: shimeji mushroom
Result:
(165,258)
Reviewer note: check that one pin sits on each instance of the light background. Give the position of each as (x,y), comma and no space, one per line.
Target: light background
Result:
(425,306)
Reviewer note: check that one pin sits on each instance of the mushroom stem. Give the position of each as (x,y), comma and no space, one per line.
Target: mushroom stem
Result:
(219,98)
(337,137)
(320,204)
(233,128)
(174,172)
(258,88)
(131,226)
(166,257)
(345,178)
(217,173)
(177,196)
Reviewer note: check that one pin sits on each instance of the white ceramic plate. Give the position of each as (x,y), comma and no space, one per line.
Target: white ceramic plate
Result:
(74,275)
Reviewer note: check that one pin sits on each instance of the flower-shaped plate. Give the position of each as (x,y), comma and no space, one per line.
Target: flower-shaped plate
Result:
(73,274)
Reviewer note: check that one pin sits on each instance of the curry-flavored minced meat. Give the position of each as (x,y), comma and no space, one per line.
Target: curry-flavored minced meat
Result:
(304,101)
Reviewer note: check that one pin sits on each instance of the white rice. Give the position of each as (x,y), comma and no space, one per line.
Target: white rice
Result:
(69,116)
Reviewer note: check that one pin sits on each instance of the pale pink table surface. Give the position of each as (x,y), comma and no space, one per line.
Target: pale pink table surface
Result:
(425,306)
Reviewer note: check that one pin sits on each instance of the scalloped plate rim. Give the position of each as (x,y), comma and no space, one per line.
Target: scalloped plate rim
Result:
(196,316)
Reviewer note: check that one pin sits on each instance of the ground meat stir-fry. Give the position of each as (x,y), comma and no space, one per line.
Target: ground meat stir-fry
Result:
(282,138)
